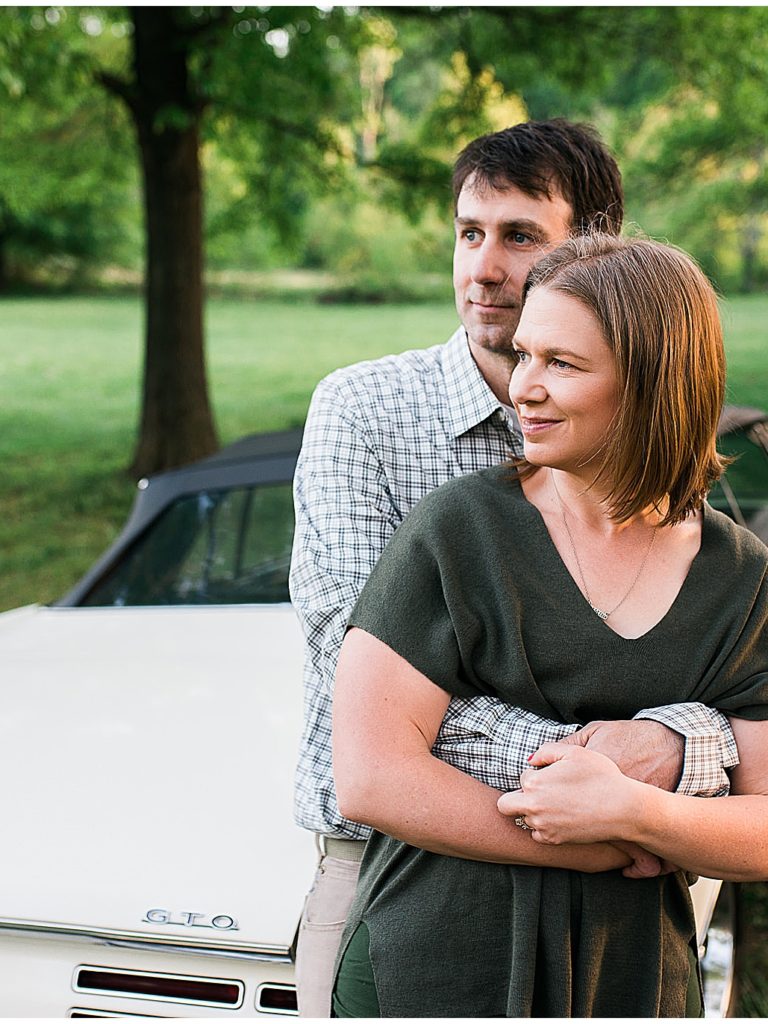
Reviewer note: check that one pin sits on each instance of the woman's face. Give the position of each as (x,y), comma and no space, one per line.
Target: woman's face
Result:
(564,386)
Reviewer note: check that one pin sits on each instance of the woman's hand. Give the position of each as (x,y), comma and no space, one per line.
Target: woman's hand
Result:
(580,796)
(574,796)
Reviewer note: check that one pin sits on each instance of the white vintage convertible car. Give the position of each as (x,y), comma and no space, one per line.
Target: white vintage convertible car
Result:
(150,863)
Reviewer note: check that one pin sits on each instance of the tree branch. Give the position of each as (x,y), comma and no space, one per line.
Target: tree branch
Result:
(126,91)
(318,138)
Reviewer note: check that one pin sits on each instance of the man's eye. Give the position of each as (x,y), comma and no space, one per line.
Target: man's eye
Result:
(561,364)
(520,356)
(520,238)
(471,235)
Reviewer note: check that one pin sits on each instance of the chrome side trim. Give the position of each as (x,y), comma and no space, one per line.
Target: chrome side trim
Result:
(86,1011)
(140,940)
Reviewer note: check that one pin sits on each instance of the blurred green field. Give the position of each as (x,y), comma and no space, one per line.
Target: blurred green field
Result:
(69,387)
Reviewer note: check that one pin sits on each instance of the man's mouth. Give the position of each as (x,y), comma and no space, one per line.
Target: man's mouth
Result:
(491,305)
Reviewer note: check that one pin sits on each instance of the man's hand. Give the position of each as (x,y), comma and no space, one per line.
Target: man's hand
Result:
(644,864)
(644,750)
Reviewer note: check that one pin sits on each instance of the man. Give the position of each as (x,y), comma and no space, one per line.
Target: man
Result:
(381,434)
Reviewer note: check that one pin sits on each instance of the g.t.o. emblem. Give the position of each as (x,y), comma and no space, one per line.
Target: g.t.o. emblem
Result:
(191,919)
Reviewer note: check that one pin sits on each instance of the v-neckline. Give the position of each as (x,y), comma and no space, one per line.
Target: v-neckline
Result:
(578,598)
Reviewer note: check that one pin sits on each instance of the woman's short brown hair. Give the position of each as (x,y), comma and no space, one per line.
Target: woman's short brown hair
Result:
(659,315)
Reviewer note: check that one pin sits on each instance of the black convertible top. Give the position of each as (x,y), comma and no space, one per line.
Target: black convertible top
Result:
(254,459)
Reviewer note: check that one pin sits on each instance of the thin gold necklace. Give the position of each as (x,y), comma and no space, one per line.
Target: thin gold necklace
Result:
(598,611)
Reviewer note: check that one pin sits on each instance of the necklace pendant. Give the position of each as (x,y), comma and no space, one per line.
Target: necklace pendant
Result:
(599,612)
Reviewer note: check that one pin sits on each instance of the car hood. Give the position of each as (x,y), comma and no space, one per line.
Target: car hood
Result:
(147,759)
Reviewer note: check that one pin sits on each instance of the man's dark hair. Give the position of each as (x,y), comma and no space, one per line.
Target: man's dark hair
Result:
(540,157)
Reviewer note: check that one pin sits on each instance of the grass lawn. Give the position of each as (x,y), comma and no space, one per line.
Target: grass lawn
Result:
(69,389)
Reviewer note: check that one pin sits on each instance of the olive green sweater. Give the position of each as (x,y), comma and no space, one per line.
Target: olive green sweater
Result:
(473,593)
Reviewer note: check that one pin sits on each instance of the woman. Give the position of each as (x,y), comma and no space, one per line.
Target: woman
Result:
(589,582)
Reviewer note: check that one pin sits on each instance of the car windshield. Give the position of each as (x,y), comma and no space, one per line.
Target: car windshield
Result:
(214,547)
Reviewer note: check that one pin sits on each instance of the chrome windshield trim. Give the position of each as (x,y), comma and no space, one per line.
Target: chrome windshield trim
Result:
(140,940)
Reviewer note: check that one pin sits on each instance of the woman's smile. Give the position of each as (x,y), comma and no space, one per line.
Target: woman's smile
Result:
(531,426)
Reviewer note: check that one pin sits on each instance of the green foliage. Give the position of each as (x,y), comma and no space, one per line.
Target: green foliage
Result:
(278,89)
(373,103)
(378,254)
(696,158)
(68,191)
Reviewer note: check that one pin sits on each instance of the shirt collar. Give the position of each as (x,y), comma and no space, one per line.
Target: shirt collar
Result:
(470,399)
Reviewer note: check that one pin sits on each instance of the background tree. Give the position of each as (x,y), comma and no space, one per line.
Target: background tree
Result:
(166,107)
(192,71)
(267,112)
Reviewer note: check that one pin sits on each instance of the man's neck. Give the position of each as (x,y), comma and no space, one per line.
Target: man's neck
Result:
(496,368)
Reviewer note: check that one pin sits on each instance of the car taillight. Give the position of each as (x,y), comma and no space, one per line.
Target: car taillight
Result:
(180,988)
(277,998)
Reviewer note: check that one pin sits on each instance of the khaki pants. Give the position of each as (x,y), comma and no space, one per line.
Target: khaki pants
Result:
(322,922)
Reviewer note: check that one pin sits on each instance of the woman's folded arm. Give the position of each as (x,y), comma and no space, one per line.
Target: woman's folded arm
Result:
(386,717)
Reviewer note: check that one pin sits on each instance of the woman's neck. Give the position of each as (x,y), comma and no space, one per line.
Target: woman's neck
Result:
(586,500)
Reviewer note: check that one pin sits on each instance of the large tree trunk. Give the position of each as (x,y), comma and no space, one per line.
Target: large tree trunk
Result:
(176,419)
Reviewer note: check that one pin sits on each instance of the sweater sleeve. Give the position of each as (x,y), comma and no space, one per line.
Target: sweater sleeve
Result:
(742,685)
(738,684)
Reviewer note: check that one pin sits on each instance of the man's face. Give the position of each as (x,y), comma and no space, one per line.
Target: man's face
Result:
(499,236)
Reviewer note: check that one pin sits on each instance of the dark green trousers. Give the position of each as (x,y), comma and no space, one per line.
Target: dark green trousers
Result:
(354,994)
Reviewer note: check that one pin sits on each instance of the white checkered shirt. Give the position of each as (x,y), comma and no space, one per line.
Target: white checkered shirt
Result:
(379,436)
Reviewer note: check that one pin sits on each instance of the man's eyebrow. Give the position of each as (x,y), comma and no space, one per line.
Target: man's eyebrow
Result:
(530,227)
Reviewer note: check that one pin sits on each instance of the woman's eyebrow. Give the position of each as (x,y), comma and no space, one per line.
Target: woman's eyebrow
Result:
(560,351)
(556,351)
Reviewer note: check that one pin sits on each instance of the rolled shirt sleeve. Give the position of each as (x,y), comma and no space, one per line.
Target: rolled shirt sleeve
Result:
(710,747)
(492,741)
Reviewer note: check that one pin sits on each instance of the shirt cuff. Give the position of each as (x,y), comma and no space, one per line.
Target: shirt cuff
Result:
(710,747)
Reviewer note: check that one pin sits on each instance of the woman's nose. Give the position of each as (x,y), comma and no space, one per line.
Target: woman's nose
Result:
(525,385)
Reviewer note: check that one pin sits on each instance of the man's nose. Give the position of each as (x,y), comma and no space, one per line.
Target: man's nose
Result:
(490,265)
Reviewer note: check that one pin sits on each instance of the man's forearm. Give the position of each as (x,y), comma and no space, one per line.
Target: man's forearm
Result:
(710,747)
(492,741)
